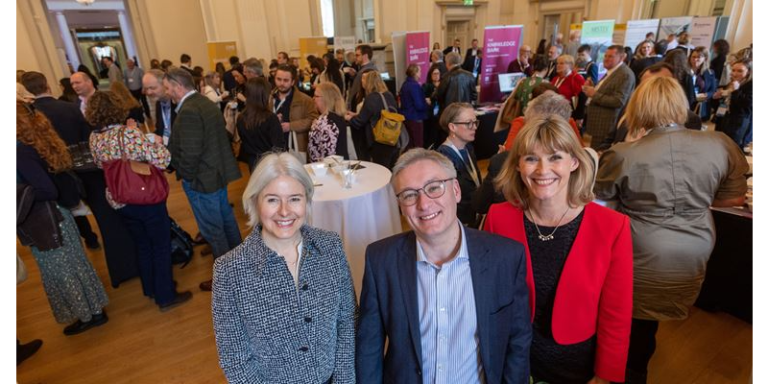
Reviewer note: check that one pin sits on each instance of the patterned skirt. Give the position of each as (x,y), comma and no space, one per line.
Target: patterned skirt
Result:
(70,282)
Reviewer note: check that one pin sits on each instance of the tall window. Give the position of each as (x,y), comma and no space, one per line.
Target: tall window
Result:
(326,10)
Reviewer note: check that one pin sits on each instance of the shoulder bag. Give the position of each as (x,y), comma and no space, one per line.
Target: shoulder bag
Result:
(134,182)
(387,129)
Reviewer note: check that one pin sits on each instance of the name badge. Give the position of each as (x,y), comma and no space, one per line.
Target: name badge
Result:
(721,110)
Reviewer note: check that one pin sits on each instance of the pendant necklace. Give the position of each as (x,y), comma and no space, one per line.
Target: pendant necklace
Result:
(550,236)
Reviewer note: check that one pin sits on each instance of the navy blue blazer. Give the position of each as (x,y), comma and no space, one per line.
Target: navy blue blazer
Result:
(389,310)
(159,123)
(66,119)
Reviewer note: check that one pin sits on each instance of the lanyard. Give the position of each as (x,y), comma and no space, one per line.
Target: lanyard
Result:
(559,82)
(166,112)
(470,167)
(277,107)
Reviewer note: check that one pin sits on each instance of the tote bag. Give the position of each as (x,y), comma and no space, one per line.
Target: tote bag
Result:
(134,182)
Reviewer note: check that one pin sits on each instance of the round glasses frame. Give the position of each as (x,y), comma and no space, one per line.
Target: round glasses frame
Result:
(433,190)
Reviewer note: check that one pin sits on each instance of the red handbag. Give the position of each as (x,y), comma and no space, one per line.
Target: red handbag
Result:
(134,182)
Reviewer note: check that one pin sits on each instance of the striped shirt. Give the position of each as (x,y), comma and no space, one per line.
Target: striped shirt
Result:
(450,346)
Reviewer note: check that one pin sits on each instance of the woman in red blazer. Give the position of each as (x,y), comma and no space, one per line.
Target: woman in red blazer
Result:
(579,254)
(568,82)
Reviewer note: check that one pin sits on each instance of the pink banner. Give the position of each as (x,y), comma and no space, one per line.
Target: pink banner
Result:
(417,52)
(499,49)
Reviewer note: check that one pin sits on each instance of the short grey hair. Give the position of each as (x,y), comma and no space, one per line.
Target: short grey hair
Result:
(253,64)
(452,59)
(437,52)
(270,167)
(181,77)
(546,104)
(419,154)
(158,74)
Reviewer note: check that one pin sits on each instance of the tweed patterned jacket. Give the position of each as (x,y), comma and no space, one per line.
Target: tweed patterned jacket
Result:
(267,330)
(608,103)
(200,148)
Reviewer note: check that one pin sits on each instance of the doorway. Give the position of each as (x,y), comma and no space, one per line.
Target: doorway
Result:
(457,29)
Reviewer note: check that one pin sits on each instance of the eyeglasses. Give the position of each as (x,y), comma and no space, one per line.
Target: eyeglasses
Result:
(433,190)
(470,124)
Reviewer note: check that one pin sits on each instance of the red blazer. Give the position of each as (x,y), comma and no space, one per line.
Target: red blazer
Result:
(594,294)
(571,85)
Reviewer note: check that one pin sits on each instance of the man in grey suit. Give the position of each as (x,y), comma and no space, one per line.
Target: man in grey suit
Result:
(450,301)
(610,96)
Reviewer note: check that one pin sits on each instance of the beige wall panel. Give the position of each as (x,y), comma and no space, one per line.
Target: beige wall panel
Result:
(178,28)
(26,58)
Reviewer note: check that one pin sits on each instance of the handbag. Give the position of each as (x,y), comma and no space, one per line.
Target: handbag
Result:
(293,148)
(134,182)
(387,129)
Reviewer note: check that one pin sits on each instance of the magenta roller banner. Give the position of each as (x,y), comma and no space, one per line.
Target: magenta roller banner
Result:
(417,52)
(499,49)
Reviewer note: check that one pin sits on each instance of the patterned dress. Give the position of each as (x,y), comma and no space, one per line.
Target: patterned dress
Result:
(70,282)
(323,138)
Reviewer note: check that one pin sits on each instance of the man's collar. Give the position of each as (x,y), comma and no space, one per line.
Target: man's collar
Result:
(462,253)
(181,102)
(43,95)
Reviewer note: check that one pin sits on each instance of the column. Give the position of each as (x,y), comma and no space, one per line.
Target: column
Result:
(125,30)
(66,36)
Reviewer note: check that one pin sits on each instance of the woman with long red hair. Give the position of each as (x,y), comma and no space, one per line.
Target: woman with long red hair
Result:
(45,189)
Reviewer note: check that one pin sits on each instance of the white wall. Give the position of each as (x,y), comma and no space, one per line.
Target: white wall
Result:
(177,27)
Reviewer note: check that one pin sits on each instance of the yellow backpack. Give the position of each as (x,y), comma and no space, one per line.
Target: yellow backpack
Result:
(387,129)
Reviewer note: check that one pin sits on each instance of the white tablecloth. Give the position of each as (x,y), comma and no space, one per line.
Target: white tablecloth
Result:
(365,213)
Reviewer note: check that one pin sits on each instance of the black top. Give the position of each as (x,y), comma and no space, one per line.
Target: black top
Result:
(136,114)
(33,170)
(550,361)
(717,64)
(467,184)
(265,137)
(66,119)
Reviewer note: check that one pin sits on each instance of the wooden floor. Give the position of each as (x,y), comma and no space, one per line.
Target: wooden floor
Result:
(140,344)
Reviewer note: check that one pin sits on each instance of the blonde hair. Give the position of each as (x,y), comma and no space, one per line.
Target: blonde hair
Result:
(373,83)
(657,101)
(332,98)
(567,59)
(551,133)
(270,167)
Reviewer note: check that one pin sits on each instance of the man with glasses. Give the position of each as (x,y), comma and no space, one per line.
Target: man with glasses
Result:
(450,302)
(522,63)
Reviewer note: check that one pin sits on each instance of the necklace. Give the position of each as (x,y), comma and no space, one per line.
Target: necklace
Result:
(551,236)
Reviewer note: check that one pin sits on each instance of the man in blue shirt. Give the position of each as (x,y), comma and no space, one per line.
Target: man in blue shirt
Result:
(450,301)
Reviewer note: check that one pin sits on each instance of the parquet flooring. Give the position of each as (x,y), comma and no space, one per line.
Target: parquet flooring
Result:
(140,344)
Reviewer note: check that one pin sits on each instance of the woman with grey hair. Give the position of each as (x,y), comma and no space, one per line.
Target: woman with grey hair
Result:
(284,306)
(545,101)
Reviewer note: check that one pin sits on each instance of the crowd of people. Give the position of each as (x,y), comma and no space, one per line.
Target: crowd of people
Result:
(516,276)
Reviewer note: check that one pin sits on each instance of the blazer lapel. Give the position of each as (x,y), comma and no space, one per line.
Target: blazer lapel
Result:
(479,264)
(407,268)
